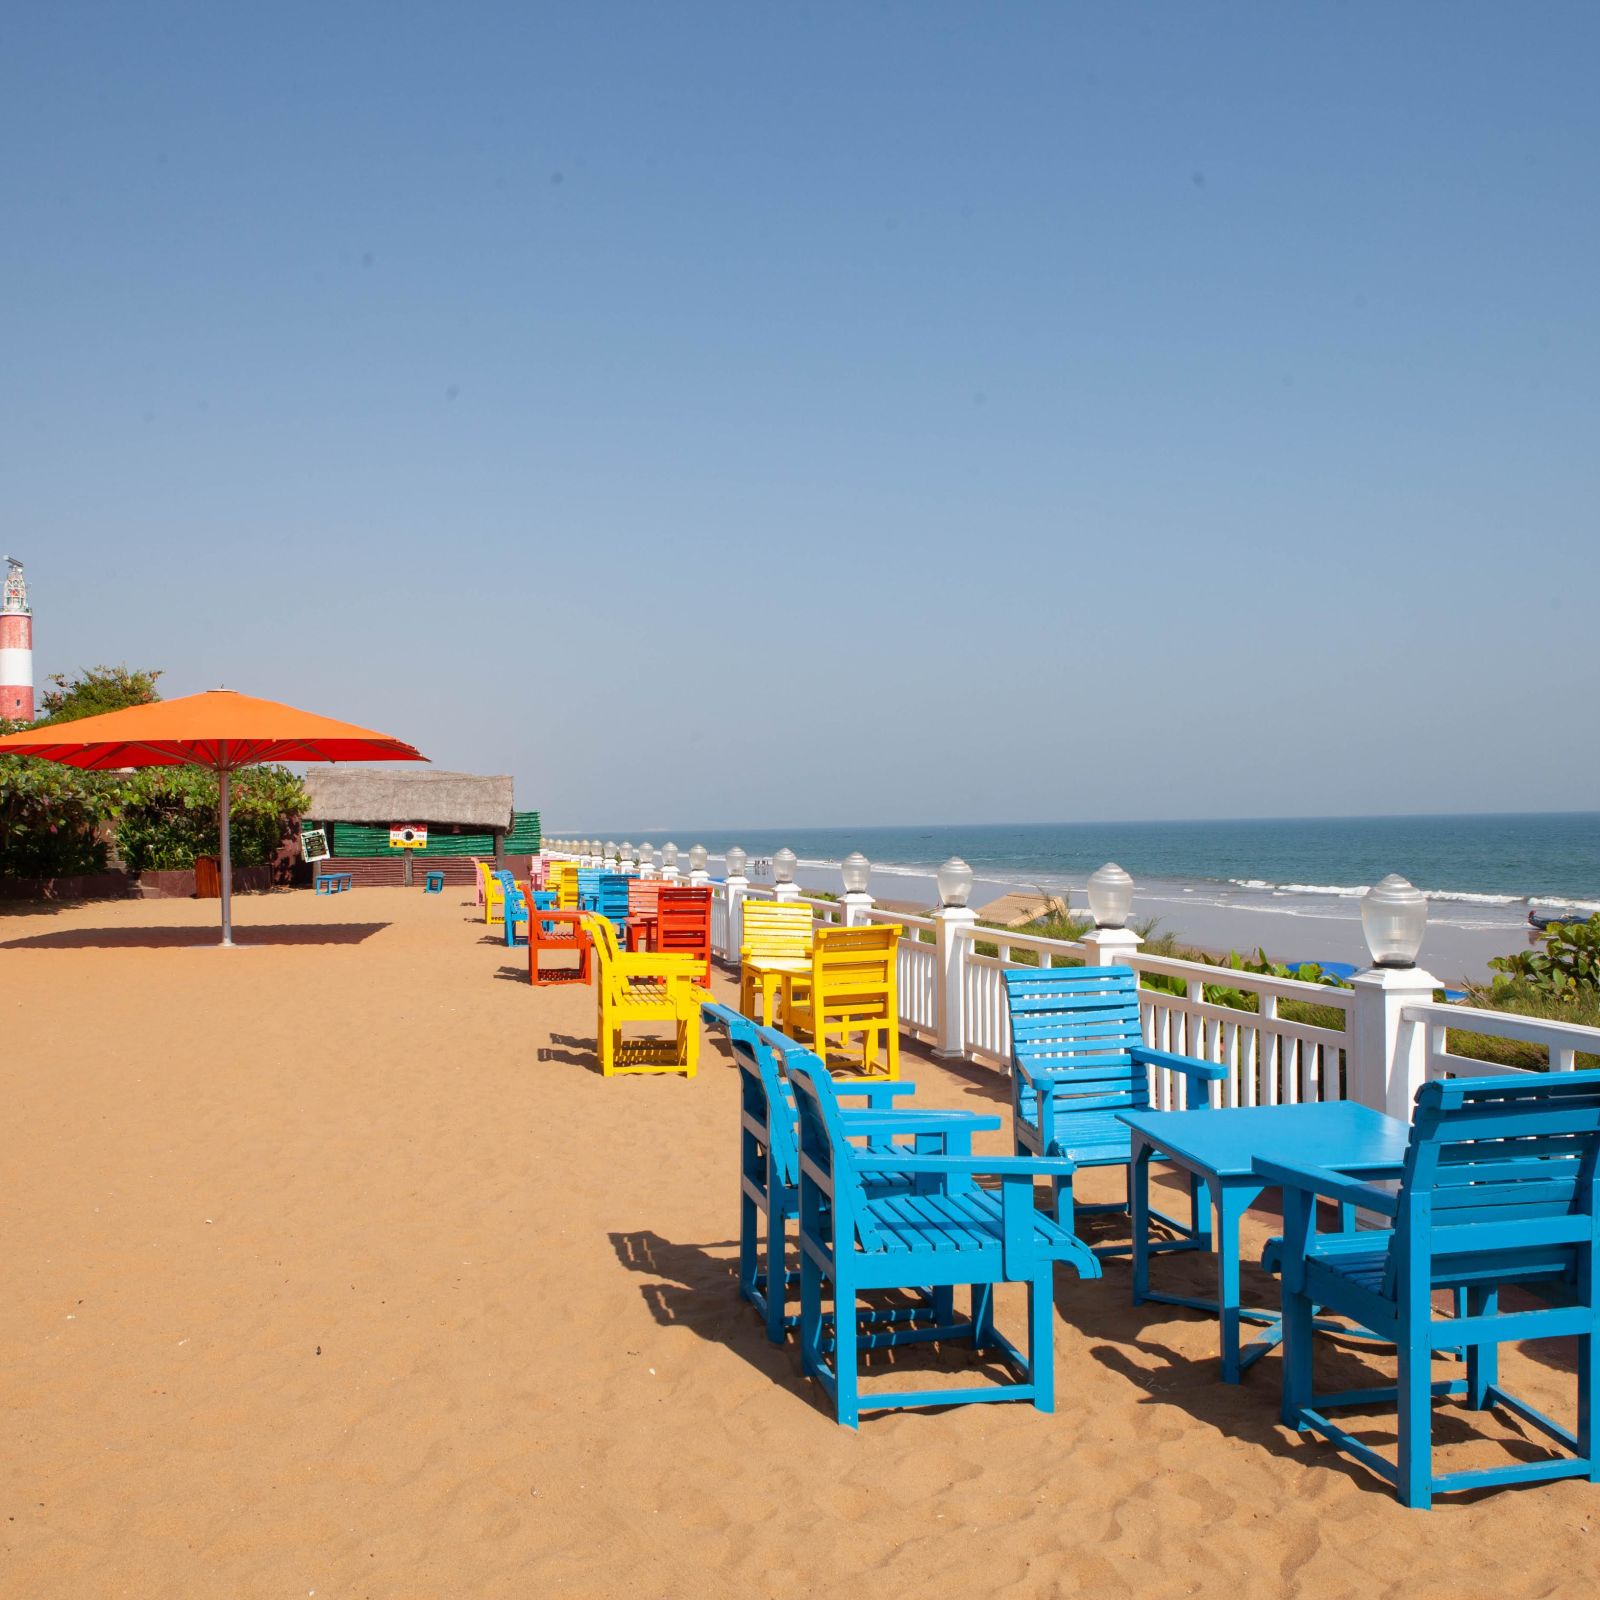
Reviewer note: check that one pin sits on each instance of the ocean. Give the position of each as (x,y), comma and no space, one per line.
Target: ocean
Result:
(1290,885)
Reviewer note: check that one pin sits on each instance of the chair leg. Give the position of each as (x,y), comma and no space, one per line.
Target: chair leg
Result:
(1298,1335)
(1588,1374)
(747,1247)
(846,1359)
(1416,1427)
(810,1316)
(777,1304)
(982,1315)
(1066,1210)
(1041,1344)
(1483,1360)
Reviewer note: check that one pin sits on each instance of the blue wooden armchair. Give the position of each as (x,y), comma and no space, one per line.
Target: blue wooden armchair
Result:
(514,904)
(1077,1059)
(1501,1189)
(589,888)
(769,1157)
(949,1231)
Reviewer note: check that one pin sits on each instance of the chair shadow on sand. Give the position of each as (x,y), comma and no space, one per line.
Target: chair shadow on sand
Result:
(1128,1341)
(194,938)
(696,1286)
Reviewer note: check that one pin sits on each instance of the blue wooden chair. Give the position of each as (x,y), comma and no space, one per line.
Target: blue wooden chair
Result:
(769,1156)
(433,881)
(515,907)
(949,1231)
(589,888)
(611,900)
(1501,1189)
(1077,1059)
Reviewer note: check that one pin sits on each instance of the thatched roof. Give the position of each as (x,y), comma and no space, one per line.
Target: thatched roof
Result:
(369,794)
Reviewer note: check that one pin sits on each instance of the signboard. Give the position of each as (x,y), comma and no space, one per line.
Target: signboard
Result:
(314,844)
(408,836)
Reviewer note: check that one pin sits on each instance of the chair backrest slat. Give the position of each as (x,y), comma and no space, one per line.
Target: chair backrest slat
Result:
(1079,1025)
(683,921)
(1502,1178)
(775,930)
(823,1144)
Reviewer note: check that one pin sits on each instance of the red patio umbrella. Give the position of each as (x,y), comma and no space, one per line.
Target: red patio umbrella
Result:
(220,730)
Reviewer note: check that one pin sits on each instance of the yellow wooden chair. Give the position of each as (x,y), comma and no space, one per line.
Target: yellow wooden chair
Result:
(853,989)
(775,945)
(494,900)
(561,878)
(641,986)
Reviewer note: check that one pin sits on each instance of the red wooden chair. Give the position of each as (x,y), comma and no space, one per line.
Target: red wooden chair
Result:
(552,931)
(683,926)
(642,893)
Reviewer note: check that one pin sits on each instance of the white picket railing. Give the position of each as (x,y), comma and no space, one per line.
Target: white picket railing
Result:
(1563,1040)
(1271,1059)
(916,972)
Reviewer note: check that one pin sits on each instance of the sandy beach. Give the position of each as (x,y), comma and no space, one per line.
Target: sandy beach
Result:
(336,1270)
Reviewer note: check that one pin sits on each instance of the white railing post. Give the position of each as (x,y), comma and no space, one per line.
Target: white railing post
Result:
(735,886)
(698,877)
(786,891)
(951,946)
(1386,1061)
(856,903)
(1110,947)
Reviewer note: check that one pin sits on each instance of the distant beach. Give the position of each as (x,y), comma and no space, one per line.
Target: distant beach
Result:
(1291,886)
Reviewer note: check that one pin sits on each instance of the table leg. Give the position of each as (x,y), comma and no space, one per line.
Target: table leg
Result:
(1139,1198)
(1230,1206)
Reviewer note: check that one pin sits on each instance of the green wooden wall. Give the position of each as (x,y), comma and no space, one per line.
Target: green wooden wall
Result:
(372,839)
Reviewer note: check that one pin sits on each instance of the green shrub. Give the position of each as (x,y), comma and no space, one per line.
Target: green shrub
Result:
(167,816)
(1566,969)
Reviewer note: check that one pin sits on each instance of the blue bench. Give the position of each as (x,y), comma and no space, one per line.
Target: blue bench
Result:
(332,882)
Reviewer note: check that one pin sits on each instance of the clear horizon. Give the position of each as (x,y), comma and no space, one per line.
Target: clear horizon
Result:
(927,408)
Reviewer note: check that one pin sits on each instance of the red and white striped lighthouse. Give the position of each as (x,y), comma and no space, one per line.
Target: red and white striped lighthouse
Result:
(16,646)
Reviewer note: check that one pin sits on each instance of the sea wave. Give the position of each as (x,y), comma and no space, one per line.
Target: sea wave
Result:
(1353,891)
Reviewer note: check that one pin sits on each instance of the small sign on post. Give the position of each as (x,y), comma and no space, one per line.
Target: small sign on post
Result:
(408,836)
(314,844)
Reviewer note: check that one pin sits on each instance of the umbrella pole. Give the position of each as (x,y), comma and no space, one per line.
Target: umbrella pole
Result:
(226,863)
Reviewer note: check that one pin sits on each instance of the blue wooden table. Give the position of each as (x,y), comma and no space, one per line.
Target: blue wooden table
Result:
(1220,1148)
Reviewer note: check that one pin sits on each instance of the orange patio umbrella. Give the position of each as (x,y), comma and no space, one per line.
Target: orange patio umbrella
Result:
(220,730)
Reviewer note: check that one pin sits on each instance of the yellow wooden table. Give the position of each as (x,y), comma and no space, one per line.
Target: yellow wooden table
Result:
(768,977)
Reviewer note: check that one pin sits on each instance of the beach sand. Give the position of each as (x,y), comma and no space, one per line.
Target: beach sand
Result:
(334,1269)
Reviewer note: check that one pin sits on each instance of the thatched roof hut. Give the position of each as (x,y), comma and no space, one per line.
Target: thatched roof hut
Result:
(363,794)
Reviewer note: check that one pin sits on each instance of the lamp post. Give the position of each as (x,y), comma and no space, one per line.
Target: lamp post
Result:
(698,876)
(855,870)
(625,857)
(1388,1057)
(953,923)
(735,885)
(783,885)
(1111,943)
(669,862)
(647,865)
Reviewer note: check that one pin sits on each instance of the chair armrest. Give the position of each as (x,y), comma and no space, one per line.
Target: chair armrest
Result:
(877,1095)
(909,1122)
(1329,1184)
(1191,1066)
(966,1166)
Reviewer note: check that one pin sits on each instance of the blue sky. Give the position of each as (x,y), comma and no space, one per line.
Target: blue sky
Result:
(758,415)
